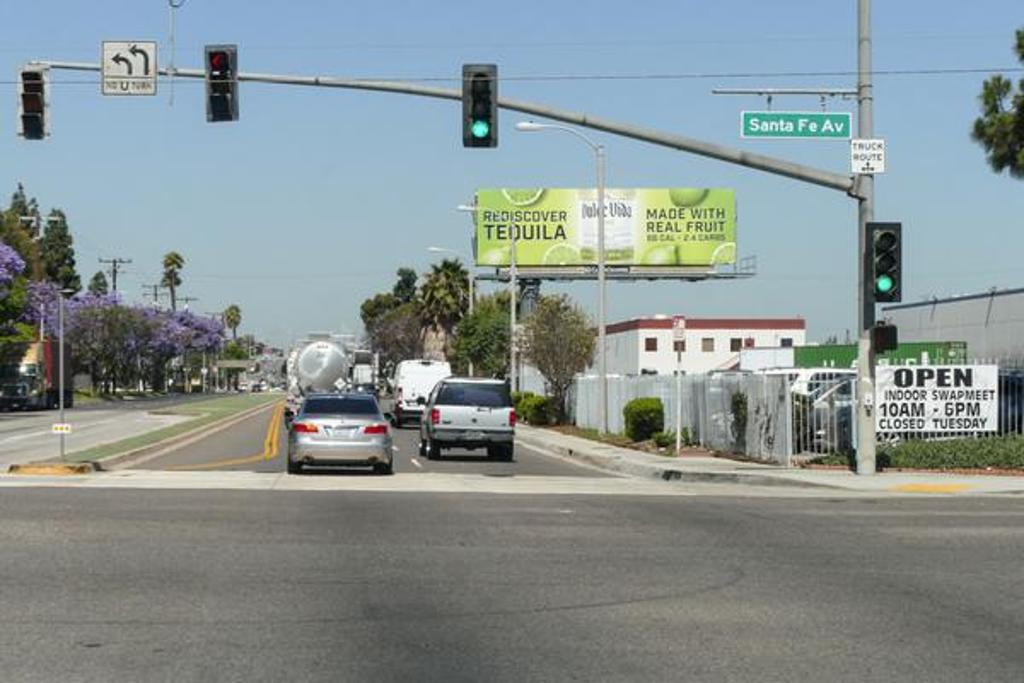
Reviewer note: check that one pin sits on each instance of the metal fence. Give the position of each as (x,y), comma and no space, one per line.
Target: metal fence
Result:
(738,413)
(776,416)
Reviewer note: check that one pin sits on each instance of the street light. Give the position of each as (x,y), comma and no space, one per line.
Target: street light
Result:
(472,277)
(531,126)
(513,376)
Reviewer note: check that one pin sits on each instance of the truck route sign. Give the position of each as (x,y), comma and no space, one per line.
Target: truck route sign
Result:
(937,398)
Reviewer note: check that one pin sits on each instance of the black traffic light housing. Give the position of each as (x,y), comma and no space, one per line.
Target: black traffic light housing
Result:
(884,337)
(885,268)
(32,108)
(221,82)
(479,105)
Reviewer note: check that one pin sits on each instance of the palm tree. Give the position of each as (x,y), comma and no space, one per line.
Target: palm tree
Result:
(173,263)
(233,318)
(444,300)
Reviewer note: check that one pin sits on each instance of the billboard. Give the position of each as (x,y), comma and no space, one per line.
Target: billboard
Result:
(648,226)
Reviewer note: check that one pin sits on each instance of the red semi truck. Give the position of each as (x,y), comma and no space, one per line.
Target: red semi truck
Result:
(29,375)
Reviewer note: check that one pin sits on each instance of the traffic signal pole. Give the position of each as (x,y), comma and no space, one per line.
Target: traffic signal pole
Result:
(865,214)
(859,187)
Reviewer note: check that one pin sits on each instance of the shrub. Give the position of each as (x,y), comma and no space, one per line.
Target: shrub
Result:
(536,410)
(517,400)
(644,417)
(664,439)
(739,419)
(994,451)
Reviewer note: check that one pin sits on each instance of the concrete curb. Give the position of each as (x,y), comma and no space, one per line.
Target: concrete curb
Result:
(606,458)
(52,469)
(143,453)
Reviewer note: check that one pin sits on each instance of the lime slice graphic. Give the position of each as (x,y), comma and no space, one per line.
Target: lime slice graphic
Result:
(561,255)
(660,255)
(687,196)
(724,253)
(523,196)
(497,256)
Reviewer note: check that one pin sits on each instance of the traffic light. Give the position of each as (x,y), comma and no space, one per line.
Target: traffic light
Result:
(479,105)
(221,82)
(884,337)
(884,242)
(32,82)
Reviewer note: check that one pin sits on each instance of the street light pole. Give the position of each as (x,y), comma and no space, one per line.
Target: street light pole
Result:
(602,361)
(512,302)
(60,373)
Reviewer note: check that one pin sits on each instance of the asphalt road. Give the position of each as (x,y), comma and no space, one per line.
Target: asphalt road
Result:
(259,444)
(215,585)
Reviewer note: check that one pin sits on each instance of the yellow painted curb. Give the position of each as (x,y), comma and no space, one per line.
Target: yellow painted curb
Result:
(51,469)
(931,488)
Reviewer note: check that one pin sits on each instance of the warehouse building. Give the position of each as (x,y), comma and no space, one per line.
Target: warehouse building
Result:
(991,323)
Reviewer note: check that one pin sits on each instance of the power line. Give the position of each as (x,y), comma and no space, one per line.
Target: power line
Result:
(537,78)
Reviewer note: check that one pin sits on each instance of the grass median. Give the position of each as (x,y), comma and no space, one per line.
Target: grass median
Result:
(202,414)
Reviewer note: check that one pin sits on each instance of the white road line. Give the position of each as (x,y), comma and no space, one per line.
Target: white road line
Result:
(416,462)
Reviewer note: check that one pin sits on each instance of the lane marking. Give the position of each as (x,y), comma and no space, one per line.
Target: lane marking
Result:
(270,447)
(931,488)
(416,462)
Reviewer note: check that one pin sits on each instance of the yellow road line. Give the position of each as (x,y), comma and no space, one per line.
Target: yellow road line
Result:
(931,488)
(270,447)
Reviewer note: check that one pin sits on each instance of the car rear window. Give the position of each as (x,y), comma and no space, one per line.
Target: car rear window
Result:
(347,405)
(488,395)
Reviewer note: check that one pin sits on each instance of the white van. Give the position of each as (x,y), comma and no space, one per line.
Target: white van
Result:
(413,382)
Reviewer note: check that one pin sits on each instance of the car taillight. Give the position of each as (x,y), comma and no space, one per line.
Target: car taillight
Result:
(512,417)
(435,416)
(305,428)
(375,429)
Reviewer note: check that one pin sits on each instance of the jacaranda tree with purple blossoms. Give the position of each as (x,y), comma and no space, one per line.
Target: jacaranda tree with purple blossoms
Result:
(122,345)
(12,289)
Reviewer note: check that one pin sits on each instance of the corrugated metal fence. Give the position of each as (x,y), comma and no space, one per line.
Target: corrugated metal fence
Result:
(733,412)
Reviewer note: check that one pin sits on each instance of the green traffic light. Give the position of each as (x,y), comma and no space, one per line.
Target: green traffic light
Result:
(480,129)
(884,284)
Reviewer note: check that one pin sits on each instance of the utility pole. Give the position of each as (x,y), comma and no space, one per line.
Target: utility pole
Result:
(155,294)
(114,266)
(866,213)
(186,300)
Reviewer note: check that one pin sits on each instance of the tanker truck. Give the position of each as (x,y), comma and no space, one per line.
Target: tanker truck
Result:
(319,364)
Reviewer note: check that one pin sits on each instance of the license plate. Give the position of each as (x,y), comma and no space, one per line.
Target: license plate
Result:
(474,436)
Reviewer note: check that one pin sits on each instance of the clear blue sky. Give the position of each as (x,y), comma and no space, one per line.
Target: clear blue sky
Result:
(312,200)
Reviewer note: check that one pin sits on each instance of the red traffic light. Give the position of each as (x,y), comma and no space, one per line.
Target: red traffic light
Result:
(218,61)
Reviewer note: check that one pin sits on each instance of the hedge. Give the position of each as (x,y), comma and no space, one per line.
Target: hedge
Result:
(993,451)
(644,417)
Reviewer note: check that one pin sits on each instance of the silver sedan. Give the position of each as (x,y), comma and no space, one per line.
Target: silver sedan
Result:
(340,430)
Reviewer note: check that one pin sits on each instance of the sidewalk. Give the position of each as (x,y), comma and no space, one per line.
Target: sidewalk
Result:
(708,469)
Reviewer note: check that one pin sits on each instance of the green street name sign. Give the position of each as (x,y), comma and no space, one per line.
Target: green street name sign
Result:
(795,124)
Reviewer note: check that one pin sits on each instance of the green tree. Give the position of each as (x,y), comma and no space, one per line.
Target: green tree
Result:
(21,234)
(1000,128)
(444,300)
(173,263)
(23,206)
(58,252)
(405,289)
(559,341)
(98,284)
(483,337)
(232,319)
(398,336)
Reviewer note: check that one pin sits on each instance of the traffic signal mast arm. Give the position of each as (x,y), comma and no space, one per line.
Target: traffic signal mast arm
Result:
(760,162)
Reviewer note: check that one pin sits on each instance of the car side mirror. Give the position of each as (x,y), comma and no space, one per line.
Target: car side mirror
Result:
(421,401)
